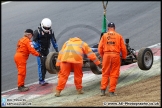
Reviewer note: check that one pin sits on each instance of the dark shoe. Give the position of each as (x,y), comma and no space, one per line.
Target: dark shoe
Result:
(43,83)
(112,94)
(102,92)
(23,88)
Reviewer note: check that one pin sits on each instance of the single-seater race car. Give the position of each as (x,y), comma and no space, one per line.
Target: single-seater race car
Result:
(144,59)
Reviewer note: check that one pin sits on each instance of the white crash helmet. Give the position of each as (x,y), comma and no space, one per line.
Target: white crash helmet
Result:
(46,25)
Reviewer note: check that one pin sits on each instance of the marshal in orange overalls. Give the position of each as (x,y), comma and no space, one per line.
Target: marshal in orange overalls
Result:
(71,57)
(24,48)
(110,46)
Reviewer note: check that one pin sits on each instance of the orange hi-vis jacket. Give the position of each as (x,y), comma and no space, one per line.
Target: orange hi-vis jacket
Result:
(73,51)
(112,42)
(25,47)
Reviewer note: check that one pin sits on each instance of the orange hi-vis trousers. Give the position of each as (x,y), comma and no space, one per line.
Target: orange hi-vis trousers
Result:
(64,73)
(20,61)
(110,70)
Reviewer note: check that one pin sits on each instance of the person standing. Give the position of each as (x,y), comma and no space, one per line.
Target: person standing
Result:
(109,48)
(24,48)
(71,57)
(42,39)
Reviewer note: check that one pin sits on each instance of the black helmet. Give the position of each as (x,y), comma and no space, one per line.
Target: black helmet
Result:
(111,24)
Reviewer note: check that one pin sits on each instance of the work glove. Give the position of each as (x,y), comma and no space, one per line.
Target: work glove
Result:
(123,61)
(40,55)
(57,68)
(56,49)
(100,65)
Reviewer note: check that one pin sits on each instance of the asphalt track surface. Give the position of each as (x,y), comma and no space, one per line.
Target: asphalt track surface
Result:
(138,21)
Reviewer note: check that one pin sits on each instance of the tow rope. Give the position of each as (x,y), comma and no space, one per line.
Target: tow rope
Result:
(104,23)
(104,6)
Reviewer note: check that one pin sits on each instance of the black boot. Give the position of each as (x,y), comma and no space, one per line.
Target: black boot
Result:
(112,94)
(23,88)
(102,92)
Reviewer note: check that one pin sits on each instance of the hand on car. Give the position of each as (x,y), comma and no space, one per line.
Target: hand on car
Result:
(57,68)
(40,55)
(100,65)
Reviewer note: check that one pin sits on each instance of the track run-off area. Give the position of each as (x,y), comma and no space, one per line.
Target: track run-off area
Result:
(44,95)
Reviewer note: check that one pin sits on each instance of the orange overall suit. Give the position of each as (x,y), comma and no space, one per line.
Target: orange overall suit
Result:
(24,48)
(110,46)
(71,57)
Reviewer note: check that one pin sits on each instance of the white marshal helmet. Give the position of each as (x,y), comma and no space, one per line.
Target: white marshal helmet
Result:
(46,25)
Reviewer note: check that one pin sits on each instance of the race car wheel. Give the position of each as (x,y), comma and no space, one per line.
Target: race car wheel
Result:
(50,62)
(145,58)
(95,69)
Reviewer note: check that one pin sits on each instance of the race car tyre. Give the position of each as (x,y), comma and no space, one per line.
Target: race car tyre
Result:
(95,69)
(50,62)
(145,58)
